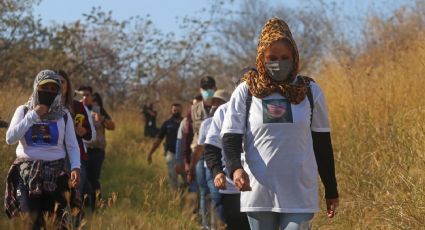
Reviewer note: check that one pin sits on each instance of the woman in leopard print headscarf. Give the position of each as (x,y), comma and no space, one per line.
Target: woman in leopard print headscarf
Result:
(259,82)
(281,119)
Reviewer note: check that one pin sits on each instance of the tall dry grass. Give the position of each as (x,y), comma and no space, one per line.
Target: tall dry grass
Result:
(377,110)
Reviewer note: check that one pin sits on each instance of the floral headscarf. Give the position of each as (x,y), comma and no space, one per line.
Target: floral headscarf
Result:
(259,83)
(56,110)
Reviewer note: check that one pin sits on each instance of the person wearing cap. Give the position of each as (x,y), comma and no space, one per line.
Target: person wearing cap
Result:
(37,180)
(279,120)
(220,97)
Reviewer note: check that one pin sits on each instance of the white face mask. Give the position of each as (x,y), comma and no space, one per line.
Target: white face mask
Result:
(279,70)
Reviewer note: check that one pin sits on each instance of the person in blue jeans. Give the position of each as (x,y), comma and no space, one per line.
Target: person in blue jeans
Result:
(205,177)
(279,120)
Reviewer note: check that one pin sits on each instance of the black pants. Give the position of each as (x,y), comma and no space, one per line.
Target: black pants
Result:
(235,219)
(37,207)
(94,167)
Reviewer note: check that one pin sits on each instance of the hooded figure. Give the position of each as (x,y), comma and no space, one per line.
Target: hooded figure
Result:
(56,109)
(37,180)
(285,139)
(260,83)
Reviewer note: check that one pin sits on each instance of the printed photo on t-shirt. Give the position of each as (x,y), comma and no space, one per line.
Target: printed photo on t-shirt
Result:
(43,134)
(277,111)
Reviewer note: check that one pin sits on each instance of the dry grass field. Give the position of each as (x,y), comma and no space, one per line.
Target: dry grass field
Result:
(376,102)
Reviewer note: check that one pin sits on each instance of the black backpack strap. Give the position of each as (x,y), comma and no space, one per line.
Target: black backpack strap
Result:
(25,110)
(310,99)
(248,103)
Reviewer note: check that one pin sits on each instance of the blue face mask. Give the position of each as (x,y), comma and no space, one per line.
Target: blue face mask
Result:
(207,94)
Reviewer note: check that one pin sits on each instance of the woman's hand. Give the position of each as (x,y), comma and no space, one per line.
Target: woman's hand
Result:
(80,130)
(332,206)
(41,109)
(98,117)
(75,178)
(191,174)
(241,180)
(220,181)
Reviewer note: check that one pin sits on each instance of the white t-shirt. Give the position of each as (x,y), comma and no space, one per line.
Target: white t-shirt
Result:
(43,140)
(203,130)
(279,155)
(214,138)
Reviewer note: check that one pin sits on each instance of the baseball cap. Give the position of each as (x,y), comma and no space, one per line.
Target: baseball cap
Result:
(49,80)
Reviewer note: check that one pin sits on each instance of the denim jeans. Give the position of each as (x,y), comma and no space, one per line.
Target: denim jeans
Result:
(203,191)
(170,159)
(283,221)
(215,197)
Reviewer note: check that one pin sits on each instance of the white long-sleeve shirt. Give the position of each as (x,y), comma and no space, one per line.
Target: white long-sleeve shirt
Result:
(93,130)
(39,140)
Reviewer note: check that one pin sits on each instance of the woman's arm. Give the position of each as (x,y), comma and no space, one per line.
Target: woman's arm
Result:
(325,162)
(109,124)
(20,124)
(107,121)
(322,144)
(213,159)
(232,146)
(71,144)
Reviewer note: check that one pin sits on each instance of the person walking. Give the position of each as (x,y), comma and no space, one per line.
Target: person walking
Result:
(168,131)
(214,158)
(37,180)
(150,114)
(199,112)
(83,130)
(281,119)
(217,218)
(96,149)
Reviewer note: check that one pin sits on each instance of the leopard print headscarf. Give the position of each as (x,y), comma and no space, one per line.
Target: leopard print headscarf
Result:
(259,83)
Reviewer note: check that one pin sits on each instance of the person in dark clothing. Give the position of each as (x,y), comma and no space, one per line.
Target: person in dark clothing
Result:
(96,149)
(150,114)
(169,130)
(83,131)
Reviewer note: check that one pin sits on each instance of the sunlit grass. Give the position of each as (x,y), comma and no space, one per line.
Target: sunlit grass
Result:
(377,110)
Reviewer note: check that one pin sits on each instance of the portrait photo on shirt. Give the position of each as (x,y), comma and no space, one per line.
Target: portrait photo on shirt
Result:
(277,111)
(42,134)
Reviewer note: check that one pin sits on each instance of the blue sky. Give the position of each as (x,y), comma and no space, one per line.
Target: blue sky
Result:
(163,13)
